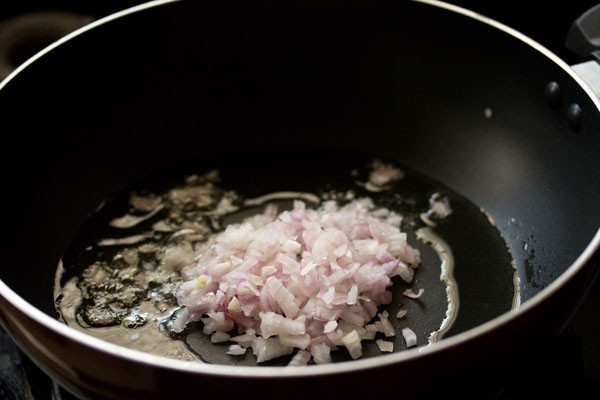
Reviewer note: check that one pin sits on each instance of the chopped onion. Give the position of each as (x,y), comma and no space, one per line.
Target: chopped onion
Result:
(321,353)
(219,337)
(268,349)
(298,341)
(411,294)
(246,339)
(352,294)
(272,324)
(385,346)
(291,246)
(352,343)
(384,325)
(302,357)
(330,326)
(236,350)
(305,280)
(410,337)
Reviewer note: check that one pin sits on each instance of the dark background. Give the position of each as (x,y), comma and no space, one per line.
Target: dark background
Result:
(570,367)
(546,22)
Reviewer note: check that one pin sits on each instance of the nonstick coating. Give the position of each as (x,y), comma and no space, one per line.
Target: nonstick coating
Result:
(455,99)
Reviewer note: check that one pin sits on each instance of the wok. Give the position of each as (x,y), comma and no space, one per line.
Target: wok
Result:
(469,103)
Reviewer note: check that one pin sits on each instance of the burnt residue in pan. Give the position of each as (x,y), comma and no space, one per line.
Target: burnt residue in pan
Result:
(112,282)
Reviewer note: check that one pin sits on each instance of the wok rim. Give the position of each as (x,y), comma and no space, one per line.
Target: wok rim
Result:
(383,360)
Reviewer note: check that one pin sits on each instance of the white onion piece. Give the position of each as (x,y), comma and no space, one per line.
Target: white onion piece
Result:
(284,297)
(302,357)
(385,346)
(268,349)
(246,339)
(352,294)
(409,337)
(236,350)
(321,353)
(370,332)
(272,324)
(411,294)
(219,337)
(329,295)
(330,326)
(352,343)
(297,341)
(405,272)
(216,321)
(384,325)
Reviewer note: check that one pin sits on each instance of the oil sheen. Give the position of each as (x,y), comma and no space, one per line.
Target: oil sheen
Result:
(115,282)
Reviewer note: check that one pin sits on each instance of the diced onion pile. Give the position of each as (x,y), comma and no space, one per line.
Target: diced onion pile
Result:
(306,279)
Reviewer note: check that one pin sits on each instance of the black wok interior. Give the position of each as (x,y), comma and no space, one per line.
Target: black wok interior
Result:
(125,99)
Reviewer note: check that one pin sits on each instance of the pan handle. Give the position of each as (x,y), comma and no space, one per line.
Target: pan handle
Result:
(583,39)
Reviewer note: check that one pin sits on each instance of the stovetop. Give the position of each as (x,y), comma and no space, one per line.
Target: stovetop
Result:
(570,366)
